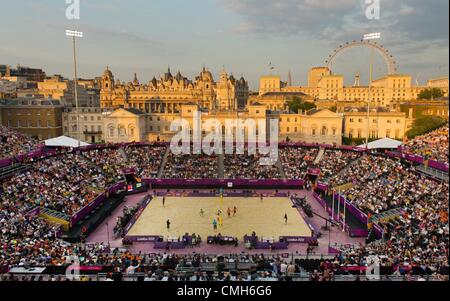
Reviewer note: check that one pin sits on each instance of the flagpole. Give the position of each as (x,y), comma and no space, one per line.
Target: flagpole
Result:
(332,211)
(339,206)
(345,205)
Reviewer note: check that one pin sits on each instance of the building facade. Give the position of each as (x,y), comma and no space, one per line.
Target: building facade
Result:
(91,121)
(62,89)
(383,123)
(388,91)
(169,93)
(39,118)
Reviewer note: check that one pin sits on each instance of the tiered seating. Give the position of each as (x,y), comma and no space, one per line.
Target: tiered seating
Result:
(248,167)
(432,146)
(191,167)
(296,161)
(13,143)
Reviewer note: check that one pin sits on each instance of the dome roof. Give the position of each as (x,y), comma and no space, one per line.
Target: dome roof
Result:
(107,72)
(206,75)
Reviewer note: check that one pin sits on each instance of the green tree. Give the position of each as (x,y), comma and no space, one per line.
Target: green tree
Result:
(425,125)
(296,104)
(429,94)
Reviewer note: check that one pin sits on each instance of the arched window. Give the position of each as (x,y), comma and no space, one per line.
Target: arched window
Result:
(122,131)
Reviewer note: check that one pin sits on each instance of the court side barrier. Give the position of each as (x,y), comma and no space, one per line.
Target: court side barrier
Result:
(212,183)
(83,212)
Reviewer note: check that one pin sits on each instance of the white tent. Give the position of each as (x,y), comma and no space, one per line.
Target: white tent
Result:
(385,143)
(64,141)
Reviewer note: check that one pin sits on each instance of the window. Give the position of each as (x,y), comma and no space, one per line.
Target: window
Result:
(388,133)
(122,131)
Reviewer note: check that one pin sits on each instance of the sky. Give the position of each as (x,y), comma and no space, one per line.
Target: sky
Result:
(242,36)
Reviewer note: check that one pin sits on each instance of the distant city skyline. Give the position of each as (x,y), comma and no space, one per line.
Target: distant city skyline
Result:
(244,36)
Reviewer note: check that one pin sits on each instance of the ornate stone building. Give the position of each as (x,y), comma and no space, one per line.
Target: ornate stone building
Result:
(170,92)
(388,91)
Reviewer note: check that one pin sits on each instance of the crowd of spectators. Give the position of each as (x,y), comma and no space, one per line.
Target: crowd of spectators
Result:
(248,167)
(414,242)
(13,143)
(191,167)
(296,161)
(146,160)
(419,237)
(334,161)
(432,146)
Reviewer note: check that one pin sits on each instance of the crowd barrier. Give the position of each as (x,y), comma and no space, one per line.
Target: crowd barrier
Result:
(41,151)
(419,160)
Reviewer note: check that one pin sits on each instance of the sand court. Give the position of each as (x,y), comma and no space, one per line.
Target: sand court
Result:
(265,217)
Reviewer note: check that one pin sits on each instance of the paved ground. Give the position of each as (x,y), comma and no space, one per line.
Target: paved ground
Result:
(265,217)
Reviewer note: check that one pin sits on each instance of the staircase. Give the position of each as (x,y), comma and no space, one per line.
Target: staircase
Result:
(319,156)
(163,164)
(388,216)
(220,166)
(122,153)
(280,168)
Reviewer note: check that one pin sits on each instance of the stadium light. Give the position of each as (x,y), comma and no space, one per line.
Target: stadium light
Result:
(369,37)
(75,34)
(372,36)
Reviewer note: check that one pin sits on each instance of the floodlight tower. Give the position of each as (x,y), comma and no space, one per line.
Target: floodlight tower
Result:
(76,34)
(369,37)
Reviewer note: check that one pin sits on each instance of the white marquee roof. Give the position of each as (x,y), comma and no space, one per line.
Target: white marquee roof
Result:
(64,141)
(383,143)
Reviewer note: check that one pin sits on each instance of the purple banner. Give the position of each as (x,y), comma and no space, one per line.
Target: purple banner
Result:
(5,162)
(299,239)
(98,200)
(87,209)
(224,183)
(314,172)
(438,165)
(128,171)
(142,238)
(322,186)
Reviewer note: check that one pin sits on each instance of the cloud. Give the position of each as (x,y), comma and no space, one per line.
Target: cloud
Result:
(338,20)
